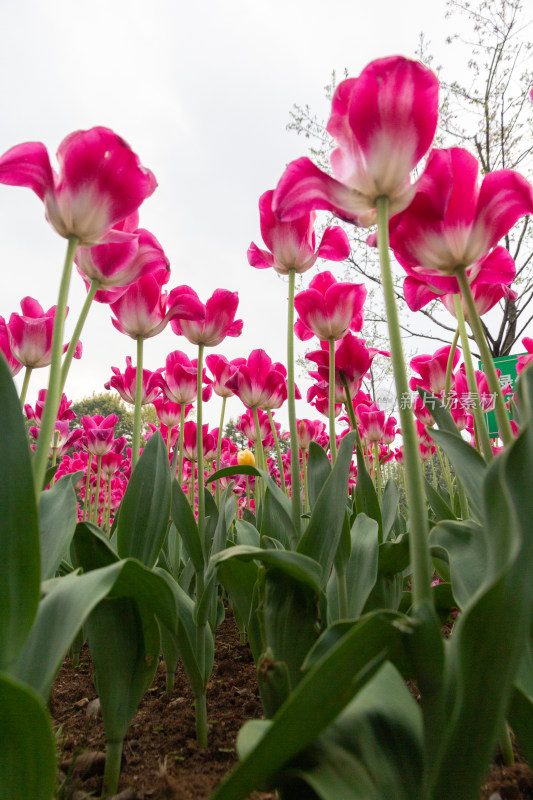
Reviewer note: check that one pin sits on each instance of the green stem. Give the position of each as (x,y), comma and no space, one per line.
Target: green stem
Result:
(377,469)
(136,443)
(449,366)
(306,487)
(24,390)
(200,441)
(97,493)
(418,538)
(291,401)
(260,457)
(219,445)
(278,449)
(331,401)
(505,743)
(69,355)
(180,445)
(504,424)
(53,394)
(472,384)
(86,500)
(113,760)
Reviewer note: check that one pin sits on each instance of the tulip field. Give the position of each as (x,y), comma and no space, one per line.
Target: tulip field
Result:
(360,554)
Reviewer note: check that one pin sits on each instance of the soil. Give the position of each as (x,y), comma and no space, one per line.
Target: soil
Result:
(162,760)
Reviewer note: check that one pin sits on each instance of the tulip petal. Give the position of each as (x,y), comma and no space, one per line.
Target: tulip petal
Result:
(28,165)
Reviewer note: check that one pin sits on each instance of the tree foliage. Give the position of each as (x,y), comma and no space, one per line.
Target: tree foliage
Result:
(489,112)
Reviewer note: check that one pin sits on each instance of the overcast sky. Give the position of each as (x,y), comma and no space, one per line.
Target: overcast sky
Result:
(202,92)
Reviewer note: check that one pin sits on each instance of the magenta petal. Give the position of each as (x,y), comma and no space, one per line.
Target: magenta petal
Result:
(504,197)
(260,259)
(304,187)
(28,165)
(498,267)
(334,245)
(302,331)
(417,294)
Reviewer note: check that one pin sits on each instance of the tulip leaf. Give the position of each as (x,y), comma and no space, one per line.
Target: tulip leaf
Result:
(28,752)
(466,549)
(20,566)
(295,565)
(239,579)
(67,606)
(389,507)
(318,470)
(315,703)
(58,517)
(185,522)
(467,463)
(275,521)
(246,533)
(362,568)
(394,555)
(321,538)
(437,504)
(145,508)
(366,499)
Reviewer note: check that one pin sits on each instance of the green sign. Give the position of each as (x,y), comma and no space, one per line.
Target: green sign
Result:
(507,365)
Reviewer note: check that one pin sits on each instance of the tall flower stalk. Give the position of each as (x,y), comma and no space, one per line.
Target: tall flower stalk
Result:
(418,545)
(291,402)
(136,440)
(53,395)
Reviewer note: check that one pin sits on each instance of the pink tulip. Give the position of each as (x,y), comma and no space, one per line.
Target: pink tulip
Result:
(144,309)
(246,424)
(318,397)
(372,423)
(291,245)
(119,264)
(180,379)
(64,412)
(489,279)
(100,182)
(169,413)
(5,348)
(222,370)
(432,369)
(99,433)
(30,334)
(217,322)
(311,431)
(383,122)
(190,451)
(63,438)
(454,220)
(260,383)
(524,360)
(390,431)
(352,361)
(329,308)
(483,398)
(124,383)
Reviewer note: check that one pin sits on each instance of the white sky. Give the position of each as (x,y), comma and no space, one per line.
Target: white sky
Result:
(202,92)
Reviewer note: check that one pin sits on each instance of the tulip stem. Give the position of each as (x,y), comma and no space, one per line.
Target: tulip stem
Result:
(291,401)
(504,425)
(449,366)
(53,394)
(259,452)
(69,355)
(87,498)
(180,444)
(24,390)
(138,403)
(200,440)
(331,401)
(278,449)
(219,446)
(418,538)
(481,428)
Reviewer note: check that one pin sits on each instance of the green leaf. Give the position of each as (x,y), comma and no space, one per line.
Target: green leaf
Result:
(394,556)
(246,533)
(145,507)
(20,567)
(467,463)
(58,517)
(238,579)
(466,549)
(318,699)
(275,521)
(66,607)
(318,471)
(390,503)
(321,539)
(362,567)
(185,522)
(366,499)
(437,504)
(300,567)
(124,644)
(439,412)
(28,753)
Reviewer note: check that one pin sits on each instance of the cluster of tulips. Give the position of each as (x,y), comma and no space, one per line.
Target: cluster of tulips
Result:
(339,588)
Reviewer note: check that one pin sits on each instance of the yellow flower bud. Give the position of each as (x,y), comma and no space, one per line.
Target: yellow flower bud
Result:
(246,457)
